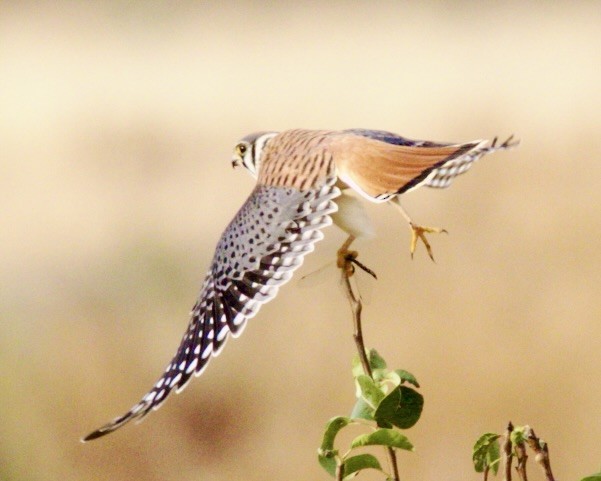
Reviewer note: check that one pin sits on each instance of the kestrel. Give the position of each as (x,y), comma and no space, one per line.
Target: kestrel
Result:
(301,178)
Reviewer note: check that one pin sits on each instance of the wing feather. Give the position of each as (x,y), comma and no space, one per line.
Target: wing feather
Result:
(401,165)
(257,253)
(441,177)
(379,170)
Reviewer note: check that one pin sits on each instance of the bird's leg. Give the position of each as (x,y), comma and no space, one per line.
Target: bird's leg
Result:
(417,231)
(347,259)
(344,256)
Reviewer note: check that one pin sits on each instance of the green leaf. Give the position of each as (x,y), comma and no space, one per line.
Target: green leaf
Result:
(400,376)
(486,453)
(328,462)
(375,360)
(357,367)
(354,464)
(372,394)
(593,477)
(326,454)
(332,427)
(362,410)
(379,374)
(383,437)
(518,435)
(406,376)
(402,408)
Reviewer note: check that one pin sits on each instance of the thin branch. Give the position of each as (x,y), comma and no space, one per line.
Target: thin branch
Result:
(522,458)
(356,308)
(346,259)
(393,464)
(345,263)
(542,452)
(339,472)
(507,452)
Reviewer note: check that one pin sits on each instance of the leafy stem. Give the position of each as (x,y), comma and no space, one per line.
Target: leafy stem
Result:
(386,399)
(493,450)
(357,308)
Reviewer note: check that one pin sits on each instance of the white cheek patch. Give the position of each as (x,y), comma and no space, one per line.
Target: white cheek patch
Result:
(250,166)
(254,156)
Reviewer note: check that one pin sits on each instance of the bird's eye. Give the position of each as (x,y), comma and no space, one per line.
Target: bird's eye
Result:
(241,148)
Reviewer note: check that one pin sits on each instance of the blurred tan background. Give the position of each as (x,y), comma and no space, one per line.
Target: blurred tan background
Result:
(117,122)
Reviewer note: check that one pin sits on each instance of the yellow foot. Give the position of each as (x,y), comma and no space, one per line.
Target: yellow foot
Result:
(419,232)
(347,260)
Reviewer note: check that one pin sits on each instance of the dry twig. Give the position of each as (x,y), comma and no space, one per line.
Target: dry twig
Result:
(506,452)
(542,452)
(522,458)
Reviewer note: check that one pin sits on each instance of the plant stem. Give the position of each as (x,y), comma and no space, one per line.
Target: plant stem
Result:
(507,454)
(345,263)
(393,464)
(522,457)
(339,472)
(541,450)
(357,308)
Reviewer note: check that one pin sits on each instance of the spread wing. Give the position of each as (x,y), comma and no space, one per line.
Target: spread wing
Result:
(265,242)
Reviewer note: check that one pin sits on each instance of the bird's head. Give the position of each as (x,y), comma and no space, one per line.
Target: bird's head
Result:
(248,151)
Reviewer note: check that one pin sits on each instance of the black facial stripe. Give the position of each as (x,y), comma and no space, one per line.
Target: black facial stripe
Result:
(253,153)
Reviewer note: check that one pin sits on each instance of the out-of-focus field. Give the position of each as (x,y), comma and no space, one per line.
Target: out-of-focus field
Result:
(117,121)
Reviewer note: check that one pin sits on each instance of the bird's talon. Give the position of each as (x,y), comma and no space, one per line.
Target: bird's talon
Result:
(345,257)
(419,232)
(347,260)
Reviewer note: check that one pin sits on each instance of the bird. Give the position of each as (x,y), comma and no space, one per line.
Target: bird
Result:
(303,184)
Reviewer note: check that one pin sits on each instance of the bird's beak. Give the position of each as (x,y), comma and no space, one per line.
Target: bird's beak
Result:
(235,162)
